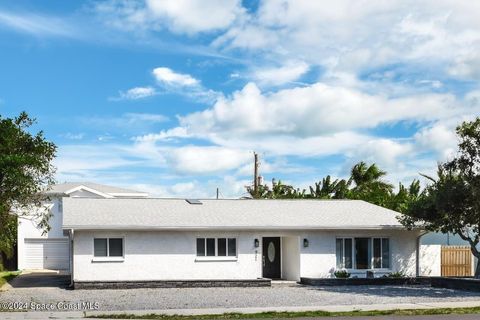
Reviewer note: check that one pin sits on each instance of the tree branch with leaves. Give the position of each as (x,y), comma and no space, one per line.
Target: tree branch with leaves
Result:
(451,202)
(26,172)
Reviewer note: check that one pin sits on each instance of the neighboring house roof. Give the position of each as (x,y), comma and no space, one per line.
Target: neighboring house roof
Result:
(152,213)
(446,239)
(99,189)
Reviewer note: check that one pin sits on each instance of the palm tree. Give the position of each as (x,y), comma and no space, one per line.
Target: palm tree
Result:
(365,183)
(285,191)
(328,189)
(405,197)
(279,191)
(369,185)
(342,189)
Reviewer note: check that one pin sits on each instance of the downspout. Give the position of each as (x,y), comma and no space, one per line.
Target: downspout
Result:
(417,258)
(71,257)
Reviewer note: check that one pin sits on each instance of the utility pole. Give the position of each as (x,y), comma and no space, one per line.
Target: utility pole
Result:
(255,175)
(217,193)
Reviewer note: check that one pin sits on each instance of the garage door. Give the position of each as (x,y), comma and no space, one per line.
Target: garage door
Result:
(47,254)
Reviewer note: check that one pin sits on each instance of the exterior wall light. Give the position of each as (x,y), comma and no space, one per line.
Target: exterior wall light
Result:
(256,243)
(305,242)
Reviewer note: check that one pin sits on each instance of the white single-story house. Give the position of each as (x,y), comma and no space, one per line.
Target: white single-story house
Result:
(152,239)
(51,250)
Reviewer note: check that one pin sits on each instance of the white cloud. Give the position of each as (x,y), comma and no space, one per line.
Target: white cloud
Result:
(169,77)
(438,138)
(184,84)
(247,36)
(193,16)
(182,160)
(267,166)
(136,93)
(130,15)
(172,82)
(73,136)
(385,152)
(145,117)
(184,188)
(351,36)
(80,159)
(310,111)
(191,189)
(466,66)
(181,16)
(206,160)
(229,187)
(356,47)
(105,137)
(38,25)
(287,145)
(340,36)
(126,120)
(177,132)
(120,127)
(291,71)
(319,120)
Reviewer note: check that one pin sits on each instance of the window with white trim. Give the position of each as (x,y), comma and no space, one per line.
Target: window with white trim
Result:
(108,247)
(381,253)
(344,253)
(363,253)
(216,247)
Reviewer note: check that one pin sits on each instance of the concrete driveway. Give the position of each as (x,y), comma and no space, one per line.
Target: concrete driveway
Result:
(40,280)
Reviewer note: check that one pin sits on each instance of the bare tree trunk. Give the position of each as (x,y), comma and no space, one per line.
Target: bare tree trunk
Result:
(473,248)
(477,270)
(476,254)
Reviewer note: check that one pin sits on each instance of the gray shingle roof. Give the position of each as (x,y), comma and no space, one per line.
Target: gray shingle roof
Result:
(63,187)
(151,213)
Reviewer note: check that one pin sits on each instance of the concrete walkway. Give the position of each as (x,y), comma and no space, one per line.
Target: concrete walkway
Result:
(194,312)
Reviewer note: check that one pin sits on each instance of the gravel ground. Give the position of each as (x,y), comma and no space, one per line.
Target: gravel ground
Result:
(277,295)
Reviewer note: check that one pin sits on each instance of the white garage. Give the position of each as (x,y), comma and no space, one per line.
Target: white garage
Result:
(46,254)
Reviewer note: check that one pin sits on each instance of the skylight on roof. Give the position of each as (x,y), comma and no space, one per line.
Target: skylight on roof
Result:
(193,201)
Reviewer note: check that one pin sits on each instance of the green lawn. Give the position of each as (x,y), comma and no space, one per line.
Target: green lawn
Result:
(285,315)
(7,276)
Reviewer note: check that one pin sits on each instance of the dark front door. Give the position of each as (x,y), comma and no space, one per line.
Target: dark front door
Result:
(271,257)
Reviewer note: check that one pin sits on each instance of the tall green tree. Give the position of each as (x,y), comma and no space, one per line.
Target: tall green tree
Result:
(369,184)
(328,189)
(404,197)
(451,202)
(26,172)
(365,183)
(279,190)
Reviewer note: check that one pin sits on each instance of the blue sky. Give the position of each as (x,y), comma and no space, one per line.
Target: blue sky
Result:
(173,97)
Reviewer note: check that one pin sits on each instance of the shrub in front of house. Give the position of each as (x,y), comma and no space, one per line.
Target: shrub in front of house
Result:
(397,275)
(341,274)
